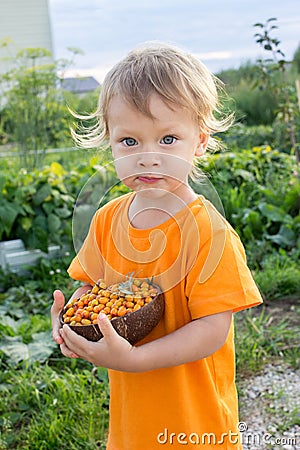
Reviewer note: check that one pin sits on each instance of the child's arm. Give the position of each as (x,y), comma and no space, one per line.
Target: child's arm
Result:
(196,340)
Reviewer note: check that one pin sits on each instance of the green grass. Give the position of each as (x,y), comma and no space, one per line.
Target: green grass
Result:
(263,336)
(280,277)
(43,408)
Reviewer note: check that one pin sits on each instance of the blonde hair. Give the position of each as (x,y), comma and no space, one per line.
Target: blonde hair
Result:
(177,76)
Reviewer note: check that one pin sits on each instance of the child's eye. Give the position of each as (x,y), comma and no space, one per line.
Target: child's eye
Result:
(130,142)
(168,140)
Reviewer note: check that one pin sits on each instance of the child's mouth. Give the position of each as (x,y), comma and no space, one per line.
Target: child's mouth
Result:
(145,179)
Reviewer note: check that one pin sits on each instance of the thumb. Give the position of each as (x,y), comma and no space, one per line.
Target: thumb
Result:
(106,327)
(57,306)
(59,300)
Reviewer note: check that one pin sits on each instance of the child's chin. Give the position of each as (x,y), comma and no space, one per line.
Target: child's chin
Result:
(152,192)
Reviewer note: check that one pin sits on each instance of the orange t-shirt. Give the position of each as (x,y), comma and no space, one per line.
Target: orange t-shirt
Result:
(199,262)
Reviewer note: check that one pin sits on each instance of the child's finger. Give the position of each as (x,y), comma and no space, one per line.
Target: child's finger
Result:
(57,306)
(67,352)
(106,327)
(59,301)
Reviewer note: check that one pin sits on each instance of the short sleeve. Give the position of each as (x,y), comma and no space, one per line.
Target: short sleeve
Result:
(228,284)
(87,266)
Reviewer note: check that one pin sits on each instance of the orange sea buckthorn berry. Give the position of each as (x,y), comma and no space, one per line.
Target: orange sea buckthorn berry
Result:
(77,318)
(129,304)
(102,284)
(136,307)
(93,316)
(95,289)
(70,312)
(86,322)
(80,304)
(118,303)
(114,287)
(95,302)
(122,311)
(114,311)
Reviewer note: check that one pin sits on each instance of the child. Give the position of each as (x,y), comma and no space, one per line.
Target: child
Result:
(176,387)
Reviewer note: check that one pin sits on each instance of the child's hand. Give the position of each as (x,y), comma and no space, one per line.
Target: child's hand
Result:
(112,351)
(57,307)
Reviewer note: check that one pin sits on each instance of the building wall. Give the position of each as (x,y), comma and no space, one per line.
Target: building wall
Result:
(26,23)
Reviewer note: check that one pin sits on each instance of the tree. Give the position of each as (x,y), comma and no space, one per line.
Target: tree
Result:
(34,114)
(274,70)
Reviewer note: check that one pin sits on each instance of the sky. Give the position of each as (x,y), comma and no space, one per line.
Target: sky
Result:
(219,32)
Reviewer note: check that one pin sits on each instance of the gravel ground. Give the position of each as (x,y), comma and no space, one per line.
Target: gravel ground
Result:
(270,408)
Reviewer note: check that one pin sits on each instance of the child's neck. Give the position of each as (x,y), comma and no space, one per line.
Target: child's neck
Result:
(148,212)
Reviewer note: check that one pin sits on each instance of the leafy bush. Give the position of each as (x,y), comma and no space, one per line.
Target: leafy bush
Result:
(241,137)
(37,206)
(260,191)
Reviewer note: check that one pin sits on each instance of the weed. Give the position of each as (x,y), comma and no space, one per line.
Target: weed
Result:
(262,338)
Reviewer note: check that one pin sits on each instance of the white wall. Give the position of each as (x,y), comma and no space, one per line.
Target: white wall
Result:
(27,24)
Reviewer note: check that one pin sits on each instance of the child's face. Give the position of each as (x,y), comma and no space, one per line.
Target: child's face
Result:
(153,153)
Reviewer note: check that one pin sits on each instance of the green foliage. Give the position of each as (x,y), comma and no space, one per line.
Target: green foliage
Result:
(37,206)
(296,60)
(279,276)
(273,76)
(240,137)
(52,409)
(253,105)
(260,191)
(34,115)
(34,112)
(263,338)
(52,402)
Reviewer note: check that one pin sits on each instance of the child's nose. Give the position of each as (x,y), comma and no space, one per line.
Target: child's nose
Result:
(149,159)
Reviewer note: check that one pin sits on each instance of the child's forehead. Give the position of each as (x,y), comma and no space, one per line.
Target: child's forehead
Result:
(154,107)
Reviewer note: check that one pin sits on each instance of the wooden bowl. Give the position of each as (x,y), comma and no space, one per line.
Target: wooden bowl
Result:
(134,326)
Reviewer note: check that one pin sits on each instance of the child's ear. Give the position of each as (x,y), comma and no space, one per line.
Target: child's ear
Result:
(202,144)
